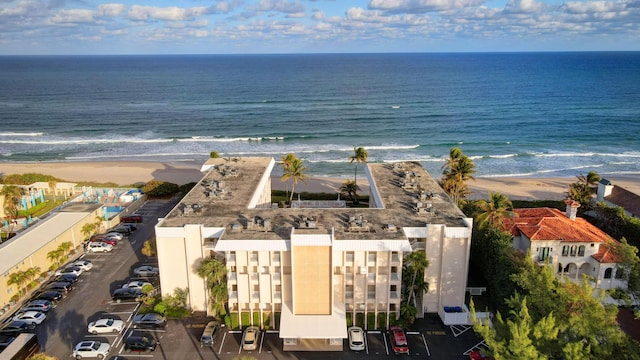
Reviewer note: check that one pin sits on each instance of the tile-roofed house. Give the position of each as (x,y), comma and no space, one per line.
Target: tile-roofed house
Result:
(614,195)
(573,247)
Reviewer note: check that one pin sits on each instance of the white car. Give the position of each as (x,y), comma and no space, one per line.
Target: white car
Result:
(82,264)
(136,285)
(356,338)
(91,349)
(74,270)
(107,325)
(146,270)
(30,317)
(99,246)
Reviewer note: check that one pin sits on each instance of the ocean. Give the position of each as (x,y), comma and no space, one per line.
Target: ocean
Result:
(514,114)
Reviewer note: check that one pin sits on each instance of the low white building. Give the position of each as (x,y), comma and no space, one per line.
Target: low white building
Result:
(571,245)
(306,269)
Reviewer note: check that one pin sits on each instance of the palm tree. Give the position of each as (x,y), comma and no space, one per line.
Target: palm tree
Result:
(97,222)
(295,172)
(32,272)
(52,186)
(18,279)
(349,189)
(87,230)
(55,256)
(12,195)
(360,155)
(149,247)
(458,169)
(582,191)
(416,263)
(591,180)
(495,210)
(285,162)
(214,272)
(65,247)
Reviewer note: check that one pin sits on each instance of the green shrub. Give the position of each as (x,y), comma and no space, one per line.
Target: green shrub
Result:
(235,324)
(371,321)
(382,321)
(360,320)
(158,189)
(349,320)
(227,321)
(246,319)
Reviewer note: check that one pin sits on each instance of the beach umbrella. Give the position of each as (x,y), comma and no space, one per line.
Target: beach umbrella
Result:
(41,196)
(6,223)
(24,203)
(106,213)
(29,219)
(24,223)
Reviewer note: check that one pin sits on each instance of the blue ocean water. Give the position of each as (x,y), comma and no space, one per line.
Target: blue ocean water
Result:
(515,114)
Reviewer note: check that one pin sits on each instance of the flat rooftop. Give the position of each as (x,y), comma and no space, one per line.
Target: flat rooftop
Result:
(410,197)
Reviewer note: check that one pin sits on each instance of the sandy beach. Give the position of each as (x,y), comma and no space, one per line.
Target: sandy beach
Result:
(131,172)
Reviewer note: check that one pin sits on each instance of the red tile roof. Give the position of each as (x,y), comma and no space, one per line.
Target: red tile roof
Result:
(625,199)
(552,224)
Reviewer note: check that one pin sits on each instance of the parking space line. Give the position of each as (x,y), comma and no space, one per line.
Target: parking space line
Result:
(261,341)
(424,340)
(386,347)
(366,345)
(222,343)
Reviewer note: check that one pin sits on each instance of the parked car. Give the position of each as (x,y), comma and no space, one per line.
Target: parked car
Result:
(15,328)
(91,349)
(30,317)
(150,320)
(398,340)
(110,241)
(116,235)
(146,271)
(38,305)
(136,285)
(125,230)
(131,218)
(70,278)
(126,294)
(73,270)
(132,227)
(61,286)
(82,264)
(51,295)
(98,246)
(140,343)
(250,338)
(106,325)
(208,337)
(356,338)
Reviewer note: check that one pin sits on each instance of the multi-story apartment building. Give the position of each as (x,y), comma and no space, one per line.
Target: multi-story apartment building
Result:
(313,264)
(570,244)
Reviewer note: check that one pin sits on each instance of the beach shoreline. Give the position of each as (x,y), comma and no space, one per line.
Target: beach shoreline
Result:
(183,172)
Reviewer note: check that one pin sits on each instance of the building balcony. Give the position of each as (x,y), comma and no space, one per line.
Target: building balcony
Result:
(371,279)
(348,279)
(395,277)
(394,295)
(371,296)
(276,278)
(348,295)
(275,259)
(232,277)
(233,296)
(231,259)
(255,295)
(255,277)
(395,259)
(277,296)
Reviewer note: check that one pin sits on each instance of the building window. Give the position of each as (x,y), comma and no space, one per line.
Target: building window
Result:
(573,250)
(254,256)
(543,253)
(349,256)
(607,273)
(581,250)
(565,250)
(371,257)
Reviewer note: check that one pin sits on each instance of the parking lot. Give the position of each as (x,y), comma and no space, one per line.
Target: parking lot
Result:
(66,325)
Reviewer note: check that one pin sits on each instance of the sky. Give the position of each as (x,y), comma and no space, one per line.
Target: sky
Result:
(112,27)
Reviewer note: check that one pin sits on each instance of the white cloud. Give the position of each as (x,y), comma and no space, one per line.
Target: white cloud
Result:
(593,6)
(418,6)
(149,13)
(523,6)
(111,9)
(74,16)
(279,6)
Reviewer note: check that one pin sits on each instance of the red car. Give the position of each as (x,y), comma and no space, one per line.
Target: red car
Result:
(112,242)
(131,219)
(398,340)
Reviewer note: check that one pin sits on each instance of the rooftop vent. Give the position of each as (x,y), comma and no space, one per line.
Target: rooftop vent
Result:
(358,224)
(305,222)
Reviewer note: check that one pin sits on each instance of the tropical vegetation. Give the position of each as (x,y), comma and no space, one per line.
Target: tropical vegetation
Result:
(584,190)
(294,170)
(360,155)
(413,285)
(349,189)
(214,272)
(456,171)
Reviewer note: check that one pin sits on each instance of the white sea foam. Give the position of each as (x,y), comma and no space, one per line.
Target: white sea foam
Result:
(13,133)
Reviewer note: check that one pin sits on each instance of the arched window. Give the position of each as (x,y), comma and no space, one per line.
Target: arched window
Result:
(573,250)
(607,273)
(565,250)
(581,250)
